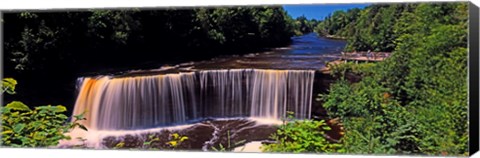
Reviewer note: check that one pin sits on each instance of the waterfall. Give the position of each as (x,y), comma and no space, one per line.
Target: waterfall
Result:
(140,102)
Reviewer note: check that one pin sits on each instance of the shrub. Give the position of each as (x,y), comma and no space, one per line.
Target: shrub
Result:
(342,69)
(43,126)
(303,136)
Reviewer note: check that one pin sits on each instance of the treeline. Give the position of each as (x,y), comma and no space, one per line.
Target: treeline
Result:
(415,102)
(98,35)
(374,28)
(47,51)
(302,25)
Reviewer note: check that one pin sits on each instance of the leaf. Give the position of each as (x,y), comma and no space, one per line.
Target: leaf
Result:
(327,128)
(240,142)
(18,127)
(173,143)
(183,138)
(175,135)
(80,116)
(17,105)
(82,127)
(60,108)
(8,85)
(39,135)
(7,132)
(120,145)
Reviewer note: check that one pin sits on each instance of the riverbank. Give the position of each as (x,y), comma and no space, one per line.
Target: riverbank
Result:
(335,37)
(328,66)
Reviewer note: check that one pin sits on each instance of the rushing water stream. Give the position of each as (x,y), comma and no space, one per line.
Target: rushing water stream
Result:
(245,93)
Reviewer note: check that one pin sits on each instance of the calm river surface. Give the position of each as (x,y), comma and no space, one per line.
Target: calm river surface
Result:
(307,52)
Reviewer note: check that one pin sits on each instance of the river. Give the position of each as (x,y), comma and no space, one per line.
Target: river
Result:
(230,98)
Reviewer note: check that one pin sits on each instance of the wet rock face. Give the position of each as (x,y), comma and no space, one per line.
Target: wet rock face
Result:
(240,132)
(201,136)
(206,136)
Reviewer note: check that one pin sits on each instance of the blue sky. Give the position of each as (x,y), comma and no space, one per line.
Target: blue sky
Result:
(318,11)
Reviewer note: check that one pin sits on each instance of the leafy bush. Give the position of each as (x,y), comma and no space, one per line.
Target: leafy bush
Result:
(340,70)
(374,122)
(303,136)
(43,126)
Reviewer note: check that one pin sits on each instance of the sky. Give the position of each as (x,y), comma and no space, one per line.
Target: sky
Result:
(318,11)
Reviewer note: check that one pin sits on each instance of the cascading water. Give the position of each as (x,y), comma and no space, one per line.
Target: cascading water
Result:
(132,103)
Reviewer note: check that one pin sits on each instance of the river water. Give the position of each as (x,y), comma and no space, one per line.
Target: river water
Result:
(307,52)
(225,99)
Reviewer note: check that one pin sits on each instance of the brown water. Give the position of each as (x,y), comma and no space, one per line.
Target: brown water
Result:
(308,52)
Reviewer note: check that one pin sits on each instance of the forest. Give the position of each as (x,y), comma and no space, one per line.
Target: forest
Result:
(414,102)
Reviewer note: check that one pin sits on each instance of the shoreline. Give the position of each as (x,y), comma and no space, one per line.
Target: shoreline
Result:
(334,37)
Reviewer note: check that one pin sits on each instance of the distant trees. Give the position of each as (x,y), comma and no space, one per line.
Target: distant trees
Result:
(35,36)
(371,28)
(339,23)
(304,25)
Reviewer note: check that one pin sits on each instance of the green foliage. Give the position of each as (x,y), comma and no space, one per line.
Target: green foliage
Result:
(173,142)
(340,70)
(340,24)
(43,126)
(366,29)
(147,144)
(8,85)
(303,136)
(242,26)
(374,122)
(35,41)
(119,145)
(112,25)
(416,100)
(229,146)
(176,140)
(302,25)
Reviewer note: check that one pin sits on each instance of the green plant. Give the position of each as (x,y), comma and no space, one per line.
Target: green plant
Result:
(303,136)
(229,146)
(176,140)
(43,126)
(147,144)
(8,85)
(119,145)
(342,69)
